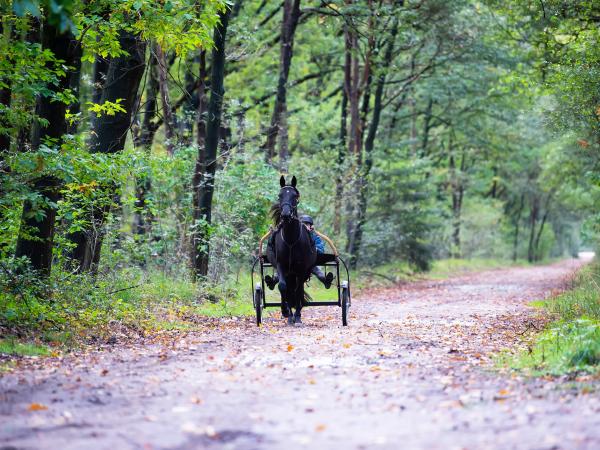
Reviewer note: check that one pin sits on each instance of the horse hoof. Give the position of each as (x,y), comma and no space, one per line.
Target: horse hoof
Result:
(285,314)
(290,320)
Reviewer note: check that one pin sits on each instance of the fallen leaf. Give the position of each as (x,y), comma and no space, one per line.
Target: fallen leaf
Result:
(320,427)
(37,407)
(290,347)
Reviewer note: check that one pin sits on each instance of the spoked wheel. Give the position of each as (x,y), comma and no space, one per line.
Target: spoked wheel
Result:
(257,299)
(345,302)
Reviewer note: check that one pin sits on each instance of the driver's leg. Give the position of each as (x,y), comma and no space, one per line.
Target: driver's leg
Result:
(272,280)
(325,279)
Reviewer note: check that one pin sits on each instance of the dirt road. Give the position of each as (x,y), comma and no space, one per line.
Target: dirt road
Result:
(412,371)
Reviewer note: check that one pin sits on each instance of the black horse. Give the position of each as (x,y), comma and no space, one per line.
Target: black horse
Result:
(291,250)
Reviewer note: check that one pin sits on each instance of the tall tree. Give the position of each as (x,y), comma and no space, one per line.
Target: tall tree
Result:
(382,72)
(36,235)
(5,93)
(204,175)
(356,82)
(109,133)
(163,75)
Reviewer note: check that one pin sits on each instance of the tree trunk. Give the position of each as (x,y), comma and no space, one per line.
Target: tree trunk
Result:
(536,252)
(352,88)
(122,82)
(163,80)
(339,186)
(207,157)
(457,200)
(532,221)
(517,223)
(142,218)
(370,142)
(123,78)
(145,137)
(74,82)
(458,190)
(201,116)
(186,122)
(5,93)
(33,36)
(291,14)
(100,70)
(4,148)
(36,235)
(5,135)
(426,127)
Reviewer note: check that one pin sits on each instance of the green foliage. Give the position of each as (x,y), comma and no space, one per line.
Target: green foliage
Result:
(179,25)
(59,11)
(108,108)
(27,70)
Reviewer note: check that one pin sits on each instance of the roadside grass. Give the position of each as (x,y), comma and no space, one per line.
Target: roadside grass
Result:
(571,343)
(11,346)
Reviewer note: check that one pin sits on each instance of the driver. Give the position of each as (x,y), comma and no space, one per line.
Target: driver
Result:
(307,221)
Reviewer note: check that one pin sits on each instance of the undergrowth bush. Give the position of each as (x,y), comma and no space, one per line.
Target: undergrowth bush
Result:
(124,303)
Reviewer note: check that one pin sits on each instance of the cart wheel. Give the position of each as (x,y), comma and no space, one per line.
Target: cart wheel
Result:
(258,303)
(345,302)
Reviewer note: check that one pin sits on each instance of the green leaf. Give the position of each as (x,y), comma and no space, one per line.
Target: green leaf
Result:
(22,7)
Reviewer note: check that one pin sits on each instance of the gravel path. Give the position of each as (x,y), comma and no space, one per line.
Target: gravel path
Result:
(412,371)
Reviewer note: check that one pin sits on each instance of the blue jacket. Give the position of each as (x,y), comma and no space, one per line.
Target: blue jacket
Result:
(318,241)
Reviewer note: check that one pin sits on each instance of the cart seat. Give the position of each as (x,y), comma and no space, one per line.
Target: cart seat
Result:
(323,258)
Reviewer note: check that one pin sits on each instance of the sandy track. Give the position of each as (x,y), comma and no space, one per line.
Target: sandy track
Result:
(411,371)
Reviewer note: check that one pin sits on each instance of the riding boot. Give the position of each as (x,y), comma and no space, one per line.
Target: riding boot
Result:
(272,281)
(325,279)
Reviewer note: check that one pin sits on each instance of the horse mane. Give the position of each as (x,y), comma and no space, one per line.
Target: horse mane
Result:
(275,213)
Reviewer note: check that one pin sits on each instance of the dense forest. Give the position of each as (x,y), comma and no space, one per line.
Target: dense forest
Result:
(143,140)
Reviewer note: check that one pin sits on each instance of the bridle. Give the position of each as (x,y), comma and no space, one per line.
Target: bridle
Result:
(293,207)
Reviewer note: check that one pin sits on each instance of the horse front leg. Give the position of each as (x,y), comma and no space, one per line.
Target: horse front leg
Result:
(298,297)
(283,291)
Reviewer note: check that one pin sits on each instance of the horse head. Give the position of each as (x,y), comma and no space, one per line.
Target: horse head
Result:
(289,197)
